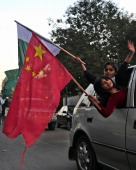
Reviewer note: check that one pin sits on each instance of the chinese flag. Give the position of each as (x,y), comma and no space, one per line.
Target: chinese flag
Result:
(37,93)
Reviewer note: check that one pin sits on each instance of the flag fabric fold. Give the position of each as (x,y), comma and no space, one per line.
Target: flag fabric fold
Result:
(37,93)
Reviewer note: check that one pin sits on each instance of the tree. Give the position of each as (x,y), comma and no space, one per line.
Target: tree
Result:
(96,31)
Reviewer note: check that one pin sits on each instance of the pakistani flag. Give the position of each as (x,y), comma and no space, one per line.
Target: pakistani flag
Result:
(10,84)
(24,36)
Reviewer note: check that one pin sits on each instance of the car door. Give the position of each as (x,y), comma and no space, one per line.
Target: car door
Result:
(107,135)
(131,124)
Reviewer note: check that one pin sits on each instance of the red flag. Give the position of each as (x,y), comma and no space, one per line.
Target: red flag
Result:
(37,93)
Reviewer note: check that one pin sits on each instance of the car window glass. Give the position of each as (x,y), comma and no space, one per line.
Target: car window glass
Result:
(85,102)
(133,88)
(95,94)
(70,109)
(135,96)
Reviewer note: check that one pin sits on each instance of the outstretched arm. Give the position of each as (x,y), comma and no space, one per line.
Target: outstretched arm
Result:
(123,75)
(131,53)
(116,100)
(88,75)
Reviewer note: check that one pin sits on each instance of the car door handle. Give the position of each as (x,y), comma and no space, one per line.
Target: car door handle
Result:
(134,126)
(89,119)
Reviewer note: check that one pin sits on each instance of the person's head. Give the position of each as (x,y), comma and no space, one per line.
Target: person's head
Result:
(103,84)
(110,69)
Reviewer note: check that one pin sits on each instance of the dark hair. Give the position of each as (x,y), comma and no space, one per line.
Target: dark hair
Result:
(98,85)
(114,65)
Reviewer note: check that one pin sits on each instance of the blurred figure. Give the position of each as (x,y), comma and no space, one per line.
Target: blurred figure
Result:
(1,108)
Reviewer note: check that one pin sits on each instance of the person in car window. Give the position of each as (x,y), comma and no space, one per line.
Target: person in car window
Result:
(117,97)
(111,69)
(119,75)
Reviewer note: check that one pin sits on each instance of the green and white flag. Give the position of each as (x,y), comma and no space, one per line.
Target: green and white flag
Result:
(10,83)
(24,36)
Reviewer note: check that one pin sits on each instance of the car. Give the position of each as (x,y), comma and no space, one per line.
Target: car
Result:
(53,122)
(64,116)
(96,141)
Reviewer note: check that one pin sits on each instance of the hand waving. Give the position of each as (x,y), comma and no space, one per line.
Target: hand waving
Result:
(131,46)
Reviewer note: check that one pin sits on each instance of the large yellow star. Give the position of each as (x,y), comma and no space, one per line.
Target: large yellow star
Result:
(39,51)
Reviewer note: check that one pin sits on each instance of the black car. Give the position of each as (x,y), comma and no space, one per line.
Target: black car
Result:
(64,116)
(53,122)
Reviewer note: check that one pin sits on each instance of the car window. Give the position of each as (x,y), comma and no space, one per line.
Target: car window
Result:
(132,90)
(95,94)
(70,109)
(86,102)
(135,96)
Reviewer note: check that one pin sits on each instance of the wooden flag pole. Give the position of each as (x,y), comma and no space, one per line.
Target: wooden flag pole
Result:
(80,87)
(71,55)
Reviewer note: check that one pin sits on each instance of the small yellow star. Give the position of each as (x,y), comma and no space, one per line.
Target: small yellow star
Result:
(39,51)
(27,59)
(41,72)
(33,73)
(28,68)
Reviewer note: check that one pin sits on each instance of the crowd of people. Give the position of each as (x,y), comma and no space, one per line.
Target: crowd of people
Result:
(112,87)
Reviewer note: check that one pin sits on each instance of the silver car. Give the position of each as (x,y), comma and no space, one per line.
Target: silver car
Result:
(96,141)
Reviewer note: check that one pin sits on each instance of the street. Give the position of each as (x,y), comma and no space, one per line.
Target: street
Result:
(50,152)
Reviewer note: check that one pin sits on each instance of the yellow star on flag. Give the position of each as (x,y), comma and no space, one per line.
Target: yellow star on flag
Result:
(41,72)
(39,51)
(33,73)
(27,59)
(28,68)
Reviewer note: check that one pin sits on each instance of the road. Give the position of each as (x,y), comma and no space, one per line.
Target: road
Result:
(50,152)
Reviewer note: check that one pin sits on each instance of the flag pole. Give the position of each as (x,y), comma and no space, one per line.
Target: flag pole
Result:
(51,42)
(71,55)
(81,88)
